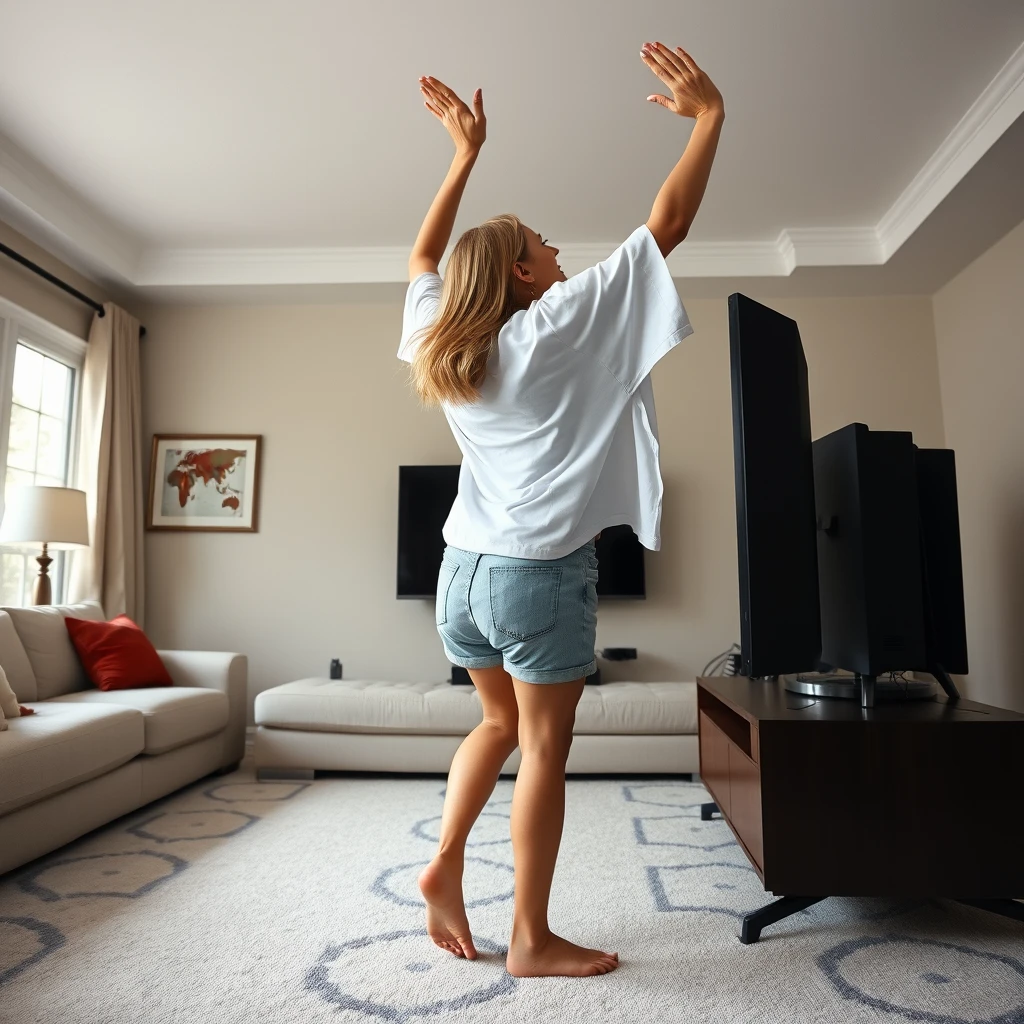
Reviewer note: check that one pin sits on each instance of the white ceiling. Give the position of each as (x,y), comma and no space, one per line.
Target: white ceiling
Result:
(242,142)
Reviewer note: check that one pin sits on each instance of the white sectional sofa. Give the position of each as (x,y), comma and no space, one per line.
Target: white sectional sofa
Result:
(355,725)
(88,756)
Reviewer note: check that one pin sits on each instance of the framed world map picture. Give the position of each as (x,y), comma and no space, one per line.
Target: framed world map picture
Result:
(204,482)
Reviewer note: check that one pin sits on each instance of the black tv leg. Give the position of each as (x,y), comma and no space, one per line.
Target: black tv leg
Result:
(945,680)
(706,810)
(776,911)
(1007,908)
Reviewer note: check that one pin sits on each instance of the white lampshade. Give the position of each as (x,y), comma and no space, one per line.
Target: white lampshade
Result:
(52,515)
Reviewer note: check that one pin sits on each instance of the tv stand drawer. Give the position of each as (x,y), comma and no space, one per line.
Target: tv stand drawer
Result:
(730,772)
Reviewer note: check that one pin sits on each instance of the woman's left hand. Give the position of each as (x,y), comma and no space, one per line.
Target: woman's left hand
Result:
(468,128)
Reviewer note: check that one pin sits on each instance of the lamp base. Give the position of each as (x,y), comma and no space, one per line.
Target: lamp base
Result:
(42,591)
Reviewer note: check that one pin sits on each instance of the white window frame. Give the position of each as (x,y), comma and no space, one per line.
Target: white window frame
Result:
(21,325)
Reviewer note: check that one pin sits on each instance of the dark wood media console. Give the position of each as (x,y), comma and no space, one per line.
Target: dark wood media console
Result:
(905,799)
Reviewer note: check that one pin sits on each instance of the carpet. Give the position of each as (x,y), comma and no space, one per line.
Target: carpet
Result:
(280,903)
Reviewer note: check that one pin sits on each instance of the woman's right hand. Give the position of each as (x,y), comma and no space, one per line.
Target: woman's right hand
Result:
(468,128)
(693,93)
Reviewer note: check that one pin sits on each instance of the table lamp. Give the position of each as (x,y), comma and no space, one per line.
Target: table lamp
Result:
(52,516)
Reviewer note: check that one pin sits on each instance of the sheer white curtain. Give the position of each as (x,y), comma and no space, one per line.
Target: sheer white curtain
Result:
(110,463)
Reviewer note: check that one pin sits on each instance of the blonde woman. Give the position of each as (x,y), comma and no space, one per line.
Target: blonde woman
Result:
(545,384)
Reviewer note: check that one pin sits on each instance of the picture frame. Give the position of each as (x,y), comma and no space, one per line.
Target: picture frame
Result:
(205,482)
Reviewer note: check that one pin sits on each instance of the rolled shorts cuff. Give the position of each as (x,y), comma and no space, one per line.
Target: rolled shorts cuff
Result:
(492,661)
(556,675)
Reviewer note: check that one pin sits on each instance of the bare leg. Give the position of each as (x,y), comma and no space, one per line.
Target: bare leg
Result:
(546,716)
(471,780)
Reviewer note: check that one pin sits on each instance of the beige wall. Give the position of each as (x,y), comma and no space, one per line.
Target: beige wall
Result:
(38,296)
(324,388)
(979,327)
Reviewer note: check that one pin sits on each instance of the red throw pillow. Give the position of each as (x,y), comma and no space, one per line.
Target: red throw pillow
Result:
(117,655)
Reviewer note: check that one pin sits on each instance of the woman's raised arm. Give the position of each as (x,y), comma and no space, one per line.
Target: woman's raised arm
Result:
(693,95)
(468,129)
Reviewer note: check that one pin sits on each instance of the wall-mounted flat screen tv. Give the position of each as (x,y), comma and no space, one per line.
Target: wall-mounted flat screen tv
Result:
(425,497)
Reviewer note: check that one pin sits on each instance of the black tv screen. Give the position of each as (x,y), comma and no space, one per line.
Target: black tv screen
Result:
(620,564)
(780,622)
(425,497)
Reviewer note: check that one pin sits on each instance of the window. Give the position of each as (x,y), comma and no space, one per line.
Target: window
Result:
(40,368)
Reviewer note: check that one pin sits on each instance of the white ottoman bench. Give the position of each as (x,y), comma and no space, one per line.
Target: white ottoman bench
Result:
(353,725)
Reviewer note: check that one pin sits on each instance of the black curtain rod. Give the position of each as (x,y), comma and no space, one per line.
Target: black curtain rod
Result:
(54,280)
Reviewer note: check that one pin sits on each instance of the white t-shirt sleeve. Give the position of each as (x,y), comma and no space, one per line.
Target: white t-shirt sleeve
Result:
(624,312)
(421,302)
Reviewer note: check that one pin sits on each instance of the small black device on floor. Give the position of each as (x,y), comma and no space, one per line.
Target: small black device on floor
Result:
(335,668)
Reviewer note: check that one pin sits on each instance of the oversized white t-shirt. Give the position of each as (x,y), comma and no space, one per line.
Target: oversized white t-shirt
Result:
(563,441)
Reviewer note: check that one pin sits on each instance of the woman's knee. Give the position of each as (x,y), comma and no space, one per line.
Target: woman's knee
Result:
(549,740)
(504,727)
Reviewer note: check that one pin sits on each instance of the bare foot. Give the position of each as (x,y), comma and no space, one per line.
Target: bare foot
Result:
(447,923)
(557,956)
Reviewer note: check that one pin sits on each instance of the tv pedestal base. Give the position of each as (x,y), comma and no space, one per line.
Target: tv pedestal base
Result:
(866,689)
(889,789)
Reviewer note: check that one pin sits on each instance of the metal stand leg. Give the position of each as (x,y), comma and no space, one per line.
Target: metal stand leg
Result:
(783,907)
(706,810)
(867,691)
(1007,908)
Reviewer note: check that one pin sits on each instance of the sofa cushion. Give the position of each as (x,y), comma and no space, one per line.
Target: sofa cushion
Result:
(174,715)
(440,709)
(117,655)
(15,661)
(638,709)
(62,745)
(352,705)
(55,663)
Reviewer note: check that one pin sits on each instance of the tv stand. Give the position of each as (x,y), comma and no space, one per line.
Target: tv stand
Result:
(888,788)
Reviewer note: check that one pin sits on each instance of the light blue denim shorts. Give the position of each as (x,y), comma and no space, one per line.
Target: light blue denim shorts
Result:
(536,618)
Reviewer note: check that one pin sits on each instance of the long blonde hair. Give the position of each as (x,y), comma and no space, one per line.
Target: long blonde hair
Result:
(477,299)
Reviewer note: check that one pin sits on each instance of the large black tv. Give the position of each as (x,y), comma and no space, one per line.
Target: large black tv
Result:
(942,563)
(890,568)
(869,550)
(425,497)
(780,623)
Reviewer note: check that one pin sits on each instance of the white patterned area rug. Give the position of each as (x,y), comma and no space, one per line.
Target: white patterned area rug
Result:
(292,903)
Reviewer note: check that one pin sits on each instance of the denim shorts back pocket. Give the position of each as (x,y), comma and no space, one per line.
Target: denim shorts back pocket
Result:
(445,579)
(524,599)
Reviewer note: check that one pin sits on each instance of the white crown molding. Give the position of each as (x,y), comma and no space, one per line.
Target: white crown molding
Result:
(998,106)
(60,221)
(222,267)
(695,259)
(214,268)
(829,247)
(60,217)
